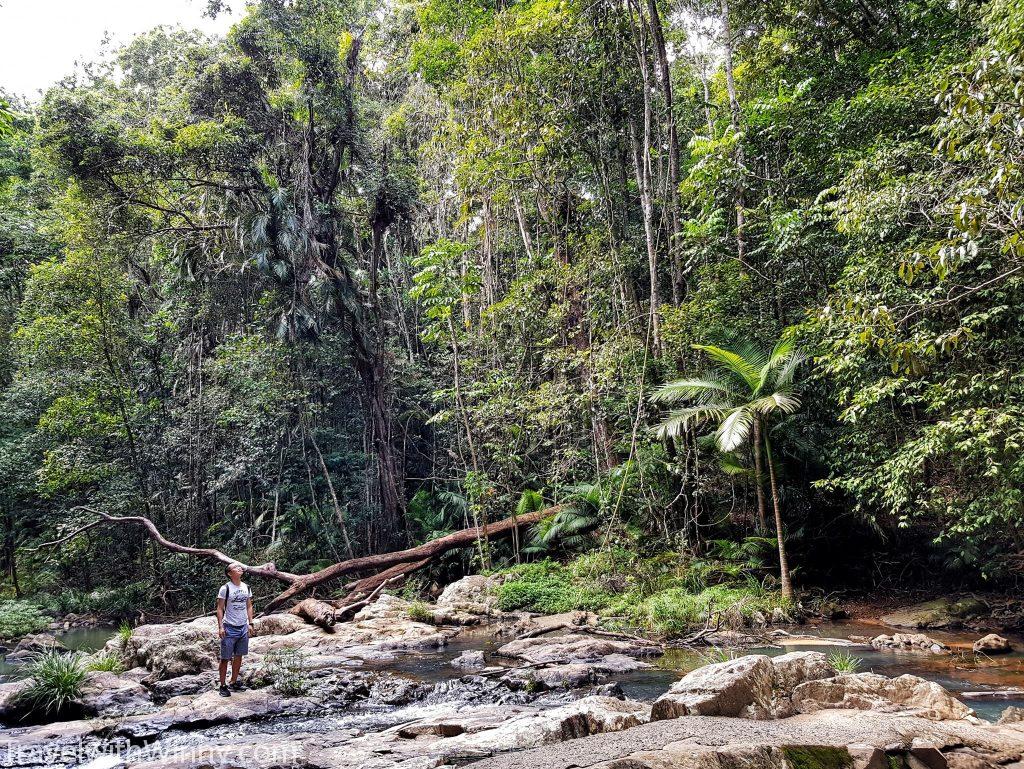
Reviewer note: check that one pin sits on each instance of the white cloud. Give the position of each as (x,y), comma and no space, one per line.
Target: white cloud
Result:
(40,40)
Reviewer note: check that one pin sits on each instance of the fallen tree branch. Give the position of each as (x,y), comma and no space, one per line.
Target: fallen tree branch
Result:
(586,629)
(389,566)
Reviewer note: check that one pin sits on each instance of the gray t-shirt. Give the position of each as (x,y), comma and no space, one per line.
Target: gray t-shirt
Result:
(236,599)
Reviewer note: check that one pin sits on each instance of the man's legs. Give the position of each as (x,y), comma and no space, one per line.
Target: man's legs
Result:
(236,665)
(224,670)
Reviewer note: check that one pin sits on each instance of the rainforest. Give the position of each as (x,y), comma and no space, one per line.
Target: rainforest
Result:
(673,317)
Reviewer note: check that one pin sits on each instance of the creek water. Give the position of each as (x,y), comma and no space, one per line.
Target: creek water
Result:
(987,684)
(990,684)
(84,639)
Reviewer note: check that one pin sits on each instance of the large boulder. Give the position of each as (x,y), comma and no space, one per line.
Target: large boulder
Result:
(169,651)
(754,686)
(868,691)
(575,647)
(739,687)
(992,644)
(940,613)
(475,594)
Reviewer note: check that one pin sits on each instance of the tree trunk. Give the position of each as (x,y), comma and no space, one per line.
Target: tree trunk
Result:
(784,579)
(645,182)
(762,518)
(389,565)
(665,77)
(734,113)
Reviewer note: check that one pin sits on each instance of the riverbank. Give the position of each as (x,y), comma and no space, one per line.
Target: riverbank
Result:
(425,685)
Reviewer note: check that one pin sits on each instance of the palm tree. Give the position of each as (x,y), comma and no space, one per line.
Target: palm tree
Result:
(746,388)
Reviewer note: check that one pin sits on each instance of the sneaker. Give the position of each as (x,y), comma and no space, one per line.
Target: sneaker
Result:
(238,686)
(224,691)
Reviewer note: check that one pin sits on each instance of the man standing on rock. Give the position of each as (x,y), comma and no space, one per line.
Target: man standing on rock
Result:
(234,620)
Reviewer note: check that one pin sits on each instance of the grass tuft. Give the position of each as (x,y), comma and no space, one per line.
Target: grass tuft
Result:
(106,662)
(844,662)
(56,683)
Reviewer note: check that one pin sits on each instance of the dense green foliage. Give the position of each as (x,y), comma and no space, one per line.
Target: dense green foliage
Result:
(362,273)
(18,618)
(666,593)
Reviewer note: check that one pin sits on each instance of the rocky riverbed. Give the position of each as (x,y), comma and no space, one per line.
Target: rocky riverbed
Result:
(455,683)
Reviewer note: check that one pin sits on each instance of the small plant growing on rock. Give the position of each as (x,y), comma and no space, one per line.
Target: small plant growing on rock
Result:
(56,683)
(844,662)
(124,634)
(420,612)
(107,662)
(285,670)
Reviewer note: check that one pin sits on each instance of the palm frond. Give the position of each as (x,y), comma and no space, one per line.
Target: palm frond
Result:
(785,402)
(702,389)
(787,373)
(735,429)
(734,362)
(681,419)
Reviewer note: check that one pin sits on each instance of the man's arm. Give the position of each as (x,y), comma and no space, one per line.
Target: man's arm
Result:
(248,606)
(220,616)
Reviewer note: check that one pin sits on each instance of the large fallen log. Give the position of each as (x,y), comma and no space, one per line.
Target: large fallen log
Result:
(387,566)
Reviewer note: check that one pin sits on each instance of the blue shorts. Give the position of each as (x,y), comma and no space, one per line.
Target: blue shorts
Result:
(235,642)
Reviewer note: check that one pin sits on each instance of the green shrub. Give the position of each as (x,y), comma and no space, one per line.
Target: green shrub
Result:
(844,662)
(56,683)
(669,592)
(420,612)
(18,618)
(550,588)
(107,662)
(121,601)
(285,670)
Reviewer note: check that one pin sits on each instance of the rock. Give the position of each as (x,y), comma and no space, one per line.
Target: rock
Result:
(940,613)
(909,642)
(475,594)
(469,660)
(754,686)
(739,687)
(107,695)
(747,687)
(958,760)
(183,685)
(210,708)
(36,643)
(570,676)
(868,691)
(992,644)
(170,651)
(9,694)
(926,754)
(791,670)
(575,647)
(867,757)
(393,690)
(1011,715)
(277,624)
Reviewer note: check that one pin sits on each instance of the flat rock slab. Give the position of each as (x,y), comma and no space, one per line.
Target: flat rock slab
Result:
(677,742)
